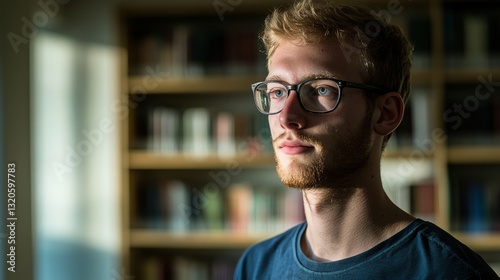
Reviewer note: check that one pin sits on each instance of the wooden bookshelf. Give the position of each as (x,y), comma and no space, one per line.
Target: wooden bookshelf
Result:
(479,155)
(193,240)
(461,75)
(405,152)
(231,92)
(421,77)
(150,160)
(200,85)
(480,242)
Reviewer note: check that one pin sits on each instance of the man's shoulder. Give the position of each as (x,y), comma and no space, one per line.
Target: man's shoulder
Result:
(444,249)
(437,237)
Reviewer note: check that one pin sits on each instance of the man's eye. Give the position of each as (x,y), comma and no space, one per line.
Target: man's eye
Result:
(324,90)
(277,93)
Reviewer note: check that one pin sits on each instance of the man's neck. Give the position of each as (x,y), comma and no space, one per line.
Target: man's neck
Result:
(344,222)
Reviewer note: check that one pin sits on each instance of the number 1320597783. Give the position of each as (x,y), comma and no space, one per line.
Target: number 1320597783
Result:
(11,184)
(11,218)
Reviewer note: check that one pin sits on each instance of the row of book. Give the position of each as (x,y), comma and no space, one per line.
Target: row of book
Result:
(184,50)
(415,196)
(471,37)
(199,132)
(180,268)
(241,207)
(472,118)
(471,40)
(418,28)
(415,126)
(476,208)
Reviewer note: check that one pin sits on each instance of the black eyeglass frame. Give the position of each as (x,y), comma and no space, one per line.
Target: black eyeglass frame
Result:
(341,84)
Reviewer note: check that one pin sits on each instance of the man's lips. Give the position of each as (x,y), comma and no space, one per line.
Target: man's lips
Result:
(294,147)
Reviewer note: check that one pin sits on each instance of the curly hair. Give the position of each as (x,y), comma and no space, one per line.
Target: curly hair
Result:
(380,48)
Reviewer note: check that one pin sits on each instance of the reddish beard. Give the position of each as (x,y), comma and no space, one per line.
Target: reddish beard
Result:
(331,162)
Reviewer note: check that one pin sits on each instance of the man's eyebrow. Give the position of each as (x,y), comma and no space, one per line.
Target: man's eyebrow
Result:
(305,78)
(274,78)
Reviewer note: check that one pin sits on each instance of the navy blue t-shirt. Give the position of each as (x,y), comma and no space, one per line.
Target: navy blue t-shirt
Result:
(419,251)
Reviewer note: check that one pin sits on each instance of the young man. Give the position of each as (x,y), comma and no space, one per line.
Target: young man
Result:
(336,90)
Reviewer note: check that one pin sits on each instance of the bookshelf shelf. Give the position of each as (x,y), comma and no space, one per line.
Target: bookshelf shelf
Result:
(466,75)
(483,242)
(405,153)
(150,160)
(198,85)
(478,155)
(193,240)
(421,77)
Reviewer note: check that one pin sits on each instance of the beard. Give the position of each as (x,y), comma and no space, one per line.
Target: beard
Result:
(334,161)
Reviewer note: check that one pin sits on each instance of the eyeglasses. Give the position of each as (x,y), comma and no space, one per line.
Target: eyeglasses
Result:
(320,95)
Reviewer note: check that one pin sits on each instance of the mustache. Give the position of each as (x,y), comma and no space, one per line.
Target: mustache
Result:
(296,136)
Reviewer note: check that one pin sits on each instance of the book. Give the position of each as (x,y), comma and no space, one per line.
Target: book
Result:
(150,206)
(263,202)
(493,41)
(151,268)
(476,40)
(419,31)
(293,208)
(224,134)
(453,38)
(397,190)
(404,133)
(163,130)
(493,197)
(176,196)
(196,132)
(154,124)
(474,204)
(496,118)
(145,54)
(420,119)
(180,37)
(213,211)
(240,197)
(169,131)
(423,200)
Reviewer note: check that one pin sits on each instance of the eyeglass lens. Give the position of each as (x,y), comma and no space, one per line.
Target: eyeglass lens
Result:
(315,96)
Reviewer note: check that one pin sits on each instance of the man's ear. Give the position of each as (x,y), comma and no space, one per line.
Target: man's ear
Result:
(388,113)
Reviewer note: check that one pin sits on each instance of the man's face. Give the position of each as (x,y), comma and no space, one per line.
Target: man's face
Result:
(319,150)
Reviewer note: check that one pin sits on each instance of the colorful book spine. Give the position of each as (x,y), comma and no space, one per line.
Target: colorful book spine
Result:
(178,207)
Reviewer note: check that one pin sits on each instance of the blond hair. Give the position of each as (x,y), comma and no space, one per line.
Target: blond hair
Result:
(379,48)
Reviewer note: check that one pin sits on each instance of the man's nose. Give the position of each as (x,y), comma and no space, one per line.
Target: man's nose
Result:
(292,115)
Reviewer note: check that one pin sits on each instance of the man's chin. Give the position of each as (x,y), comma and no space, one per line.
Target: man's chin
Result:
(292,165)
(298,175)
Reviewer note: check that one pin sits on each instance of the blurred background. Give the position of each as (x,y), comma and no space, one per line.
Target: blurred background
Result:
(130,131)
